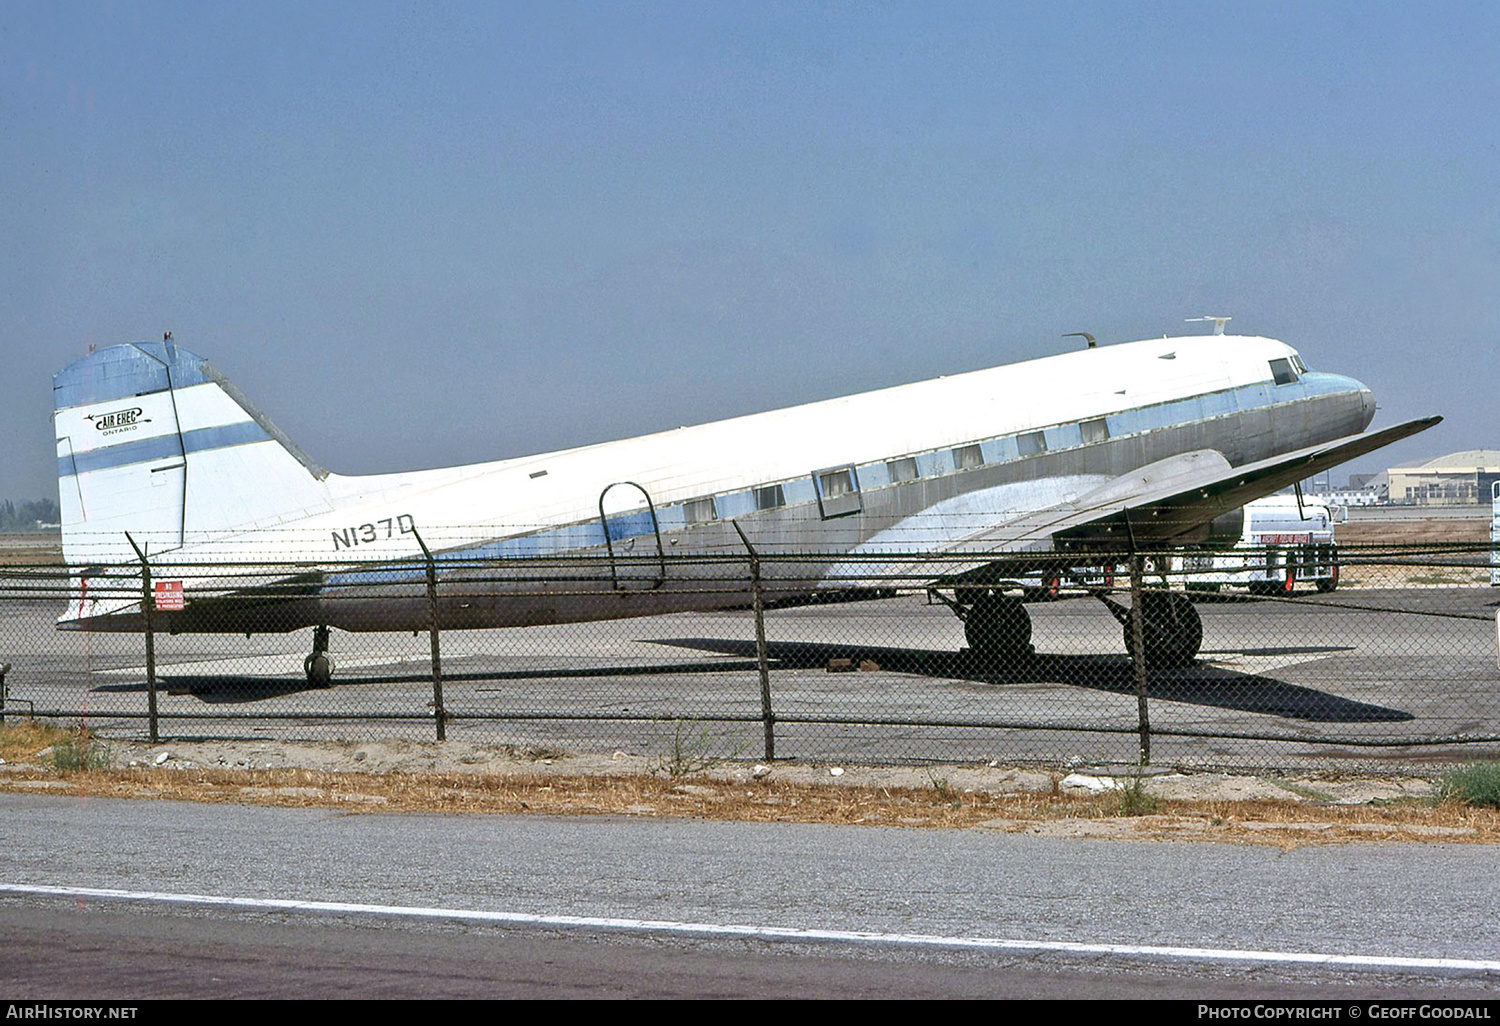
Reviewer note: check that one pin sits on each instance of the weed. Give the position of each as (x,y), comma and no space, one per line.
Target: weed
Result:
(945,790)
(79,750)
(1134,800)
(1475,784)
(692,752)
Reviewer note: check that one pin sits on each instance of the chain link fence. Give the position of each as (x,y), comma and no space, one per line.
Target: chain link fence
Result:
(1389,659)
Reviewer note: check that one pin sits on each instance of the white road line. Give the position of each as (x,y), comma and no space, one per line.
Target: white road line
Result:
(764,932)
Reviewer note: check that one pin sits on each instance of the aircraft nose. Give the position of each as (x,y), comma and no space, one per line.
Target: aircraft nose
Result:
(1366,401)
(1351,388)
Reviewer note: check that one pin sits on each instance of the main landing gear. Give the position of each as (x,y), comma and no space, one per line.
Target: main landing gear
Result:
(319,665)
(998,627)
(1171,628)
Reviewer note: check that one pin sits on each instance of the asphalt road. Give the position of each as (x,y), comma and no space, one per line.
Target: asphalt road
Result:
(1254,921)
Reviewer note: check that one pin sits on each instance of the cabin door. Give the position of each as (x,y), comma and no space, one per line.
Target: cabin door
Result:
(632,536)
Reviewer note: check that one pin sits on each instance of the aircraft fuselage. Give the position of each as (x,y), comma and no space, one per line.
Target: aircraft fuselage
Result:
(903,470)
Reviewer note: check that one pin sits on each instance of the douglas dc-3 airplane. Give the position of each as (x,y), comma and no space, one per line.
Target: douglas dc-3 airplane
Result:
(982,480)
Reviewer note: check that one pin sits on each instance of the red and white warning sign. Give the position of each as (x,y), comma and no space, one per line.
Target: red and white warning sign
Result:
(168,595)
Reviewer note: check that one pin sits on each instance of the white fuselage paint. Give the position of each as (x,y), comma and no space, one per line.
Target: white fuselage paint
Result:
(253,502)
(500,499)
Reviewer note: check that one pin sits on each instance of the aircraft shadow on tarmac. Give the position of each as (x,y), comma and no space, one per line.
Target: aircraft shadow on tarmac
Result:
(228,689)
(1200,684)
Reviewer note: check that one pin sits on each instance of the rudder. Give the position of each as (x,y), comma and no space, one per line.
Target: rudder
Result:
(154,443)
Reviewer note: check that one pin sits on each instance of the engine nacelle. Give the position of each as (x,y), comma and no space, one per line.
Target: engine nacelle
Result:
(1226,529)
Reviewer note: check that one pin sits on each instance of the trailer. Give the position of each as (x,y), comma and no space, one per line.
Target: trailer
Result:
(1286,542)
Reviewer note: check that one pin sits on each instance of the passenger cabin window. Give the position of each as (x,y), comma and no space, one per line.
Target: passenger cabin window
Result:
(1282,372)
(1031,443)
(700,510)
(967,457)
(769,497)
(1094,431)
(903,470)
(838,492)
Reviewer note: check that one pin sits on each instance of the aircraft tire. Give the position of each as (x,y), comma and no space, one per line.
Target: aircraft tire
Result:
(1172,629)
(319,667)
(998,628)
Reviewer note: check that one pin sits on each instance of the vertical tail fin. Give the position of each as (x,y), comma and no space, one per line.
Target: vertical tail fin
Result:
(153,442)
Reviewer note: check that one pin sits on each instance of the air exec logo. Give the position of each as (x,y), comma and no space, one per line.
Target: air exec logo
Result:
(115,421)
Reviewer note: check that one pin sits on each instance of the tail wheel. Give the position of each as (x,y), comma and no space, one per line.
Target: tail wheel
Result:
(319,667)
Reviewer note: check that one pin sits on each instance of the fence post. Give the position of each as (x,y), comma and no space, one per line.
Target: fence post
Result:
(4,691)
(148,605)
(768,717)
(1138,635)
(432,632)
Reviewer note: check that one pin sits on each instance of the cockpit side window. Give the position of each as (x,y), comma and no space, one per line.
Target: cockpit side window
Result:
(1282,372)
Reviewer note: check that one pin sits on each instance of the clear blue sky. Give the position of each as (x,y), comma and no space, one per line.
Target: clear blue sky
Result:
(427,233)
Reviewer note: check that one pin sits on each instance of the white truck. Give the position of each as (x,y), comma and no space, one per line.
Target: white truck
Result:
(1284,543)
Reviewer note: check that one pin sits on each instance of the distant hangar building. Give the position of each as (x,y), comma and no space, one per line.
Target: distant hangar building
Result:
(1458,479)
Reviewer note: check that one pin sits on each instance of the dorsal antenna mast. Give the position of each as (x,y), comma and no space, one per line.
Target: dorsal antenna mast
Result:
(1219,322)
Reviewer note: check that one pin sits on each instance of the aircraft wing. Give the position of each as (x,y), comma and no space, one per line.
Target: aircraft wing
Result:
(1171,502)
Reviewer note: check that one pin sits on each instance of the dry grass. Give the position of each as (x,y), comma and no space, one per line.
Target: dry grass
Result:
(1432,531)
(22,739)
(1283,824)
(28,550)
